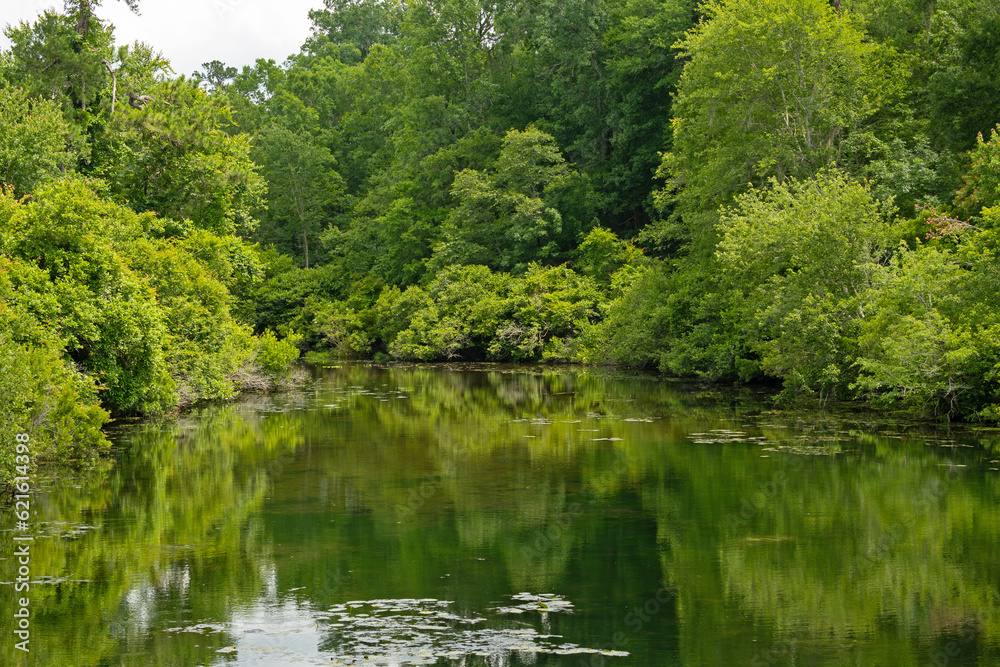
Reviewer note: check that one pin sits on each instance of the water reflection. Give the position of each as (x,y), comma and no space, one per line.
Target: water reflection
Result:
(681,526)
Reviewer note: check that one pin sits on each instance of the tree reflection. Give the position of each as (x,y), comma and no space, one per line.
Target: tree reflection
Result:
(784,537)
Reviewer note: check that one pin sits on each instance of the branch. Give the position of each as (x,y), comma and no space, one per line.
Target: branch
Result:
(138,101)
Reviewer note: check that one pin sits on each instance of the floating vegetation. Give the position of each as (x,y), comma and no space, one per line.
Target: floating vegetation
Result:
(723,436)
(543,602)
(64,530)
(806,450)
(397,632)
(200,628)
(800,445)
(423,632)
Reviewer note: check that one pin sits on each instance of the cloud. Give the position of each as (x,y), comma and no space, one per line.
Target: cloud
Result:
(192,32)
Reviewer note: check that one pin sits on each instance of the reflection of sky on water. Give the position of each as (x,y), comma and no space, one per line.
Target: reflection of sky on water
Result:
(382,632)
(389,632)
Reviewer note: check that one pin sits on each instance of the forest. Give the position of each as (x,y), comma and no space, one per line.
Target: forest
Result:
(795,192)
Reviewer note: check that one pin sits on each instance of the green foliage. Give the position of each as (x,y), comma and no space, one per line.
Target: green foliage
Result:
(45,396)
(304,190)
(466,306)
(933,343)
(49,400)
(149,318)
(981,182)
(771,90)
(284,301)
(531,208)
(103,310)
(33,141)
(799,258)
(351,28)
(963,86)
(274,355)
(395,308)
(783,296)
(910,174)
(174,157)
(602,254)
(204,346)
(60,57)
(635,324)
(345,331)
(471,312)
(548,308)
(436,166)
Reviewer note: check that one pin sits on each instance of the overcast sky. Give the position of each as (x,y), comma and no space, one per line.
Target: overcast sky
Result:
(191,32)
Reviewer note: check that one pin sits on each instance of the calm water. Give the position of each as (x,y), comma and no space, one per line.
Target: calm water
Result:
(491,516)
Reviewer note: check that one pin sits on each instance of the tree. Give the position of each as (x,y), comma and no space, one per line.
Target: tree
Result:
(933,342)
(216,74)
(33,141)
(61,57)
(799,259)
(532,207)
(103,311)
(305,191)
(981,182)
(771,90)
(44,393)
(963,86)
(175,158)
(354,23)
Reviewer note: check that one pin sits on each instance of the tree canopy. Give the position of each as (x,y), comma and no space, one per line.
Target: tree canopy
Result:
(799,191)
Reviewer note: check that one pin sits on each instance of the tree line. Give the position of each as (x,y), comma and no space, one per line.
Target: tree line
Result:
(801,192)
(798,191)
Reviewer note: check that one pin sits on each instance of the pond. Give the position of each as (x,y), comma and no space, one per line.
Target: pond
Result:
(489,515)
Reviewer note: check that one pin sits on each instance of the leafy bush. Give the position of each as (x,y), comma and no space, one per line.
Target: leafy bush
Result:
(343,328)
(273,355)
(33,138)
(45,395)
(104,311)
(602,254)
(933,342)
(471,312)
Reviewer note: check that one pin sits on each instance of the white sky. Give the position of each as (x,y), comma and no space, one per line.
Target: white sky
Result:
(192,32)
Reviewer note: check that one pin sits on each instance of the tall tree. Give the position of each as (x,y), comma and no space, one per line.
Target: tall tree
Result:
(531,208)
(350,28)
(174,157)
(771,90)
(304,190)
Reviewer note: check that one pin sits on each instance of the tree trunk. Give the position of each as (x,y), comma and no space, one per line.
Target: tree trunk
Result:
(114,85)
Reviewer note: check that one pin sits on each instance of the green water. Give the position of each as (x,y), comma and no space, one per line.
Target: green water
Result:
(496,516)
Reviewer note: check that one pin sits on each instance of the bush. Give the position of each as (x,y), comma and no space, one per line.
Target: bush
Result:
(275,356)
(44,395)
